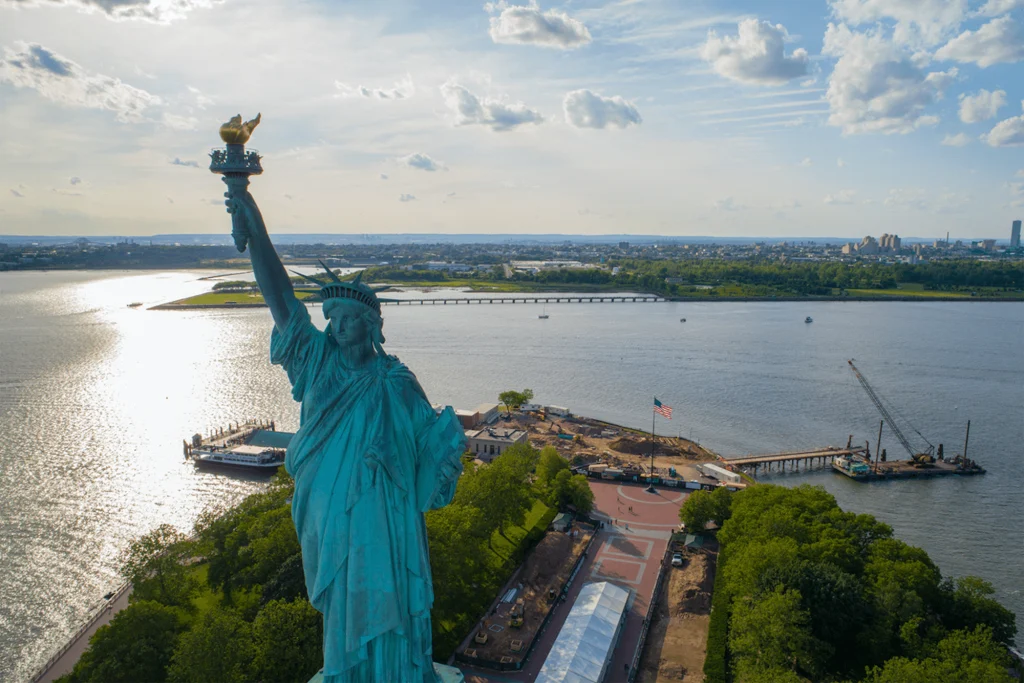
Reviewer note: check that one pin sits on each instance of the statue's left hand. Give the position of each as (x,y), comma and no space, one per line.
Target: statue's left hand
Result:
(238,205)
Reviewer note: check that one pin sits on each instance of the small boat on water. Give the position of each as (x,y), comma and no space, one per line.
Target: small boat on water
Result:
(682,320)
(135,304)
(808,319)
(544,315)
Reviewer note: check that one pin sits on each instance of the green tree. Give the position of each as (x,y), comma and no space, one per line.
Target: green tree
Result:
(571,489)
(156,566)
(961,657)
(135,646)
(773,632)
(548,467)
(218,647)
(288,637)
(967,604)
(512,399)
(702,507)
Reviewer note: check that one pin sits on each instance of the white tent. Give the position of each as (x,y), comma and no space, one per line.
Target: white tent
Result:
(584,646)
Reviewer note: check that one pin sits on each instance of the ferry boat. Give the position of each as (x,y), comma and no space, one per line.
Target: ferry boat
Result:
(253,445)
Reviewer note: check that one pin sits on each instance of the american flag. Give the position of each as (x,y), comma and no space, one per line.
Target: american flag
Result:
(662,409)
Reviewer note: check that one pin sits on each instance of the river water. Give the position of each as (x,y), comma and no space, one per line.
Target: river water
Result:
(96,397)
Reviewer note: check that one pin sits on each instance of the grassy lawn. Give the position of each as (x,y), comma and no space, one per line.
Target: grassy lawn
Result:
(924,294)
(539,516)
(227,298)
(206,600)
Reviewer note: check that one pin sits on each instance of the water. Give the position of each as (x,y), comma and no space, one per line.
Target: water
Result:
(96,397)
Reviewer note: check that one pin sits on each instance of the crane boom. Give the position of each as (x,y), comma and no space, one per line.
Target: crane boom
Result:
(882,409)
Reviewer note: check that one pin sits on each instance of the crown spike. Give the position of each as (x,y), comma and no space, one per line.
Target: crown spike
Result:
(329,271)
(309,279)
(358,279)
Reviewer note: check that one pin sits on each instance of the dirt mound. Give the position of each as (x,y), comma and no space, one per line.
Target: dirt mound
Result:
(547,558)
(643,447)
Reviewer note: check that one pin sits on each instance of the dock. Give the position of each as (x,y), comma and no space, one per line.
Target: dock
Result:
(795,459)
(906,469)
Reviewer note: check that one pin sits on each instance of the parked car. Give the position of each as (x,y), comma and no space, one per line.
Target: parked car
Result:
(677,560)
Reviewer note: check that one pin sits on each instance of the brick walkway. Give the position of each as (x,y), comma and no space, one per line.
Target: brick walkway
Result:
(626,557)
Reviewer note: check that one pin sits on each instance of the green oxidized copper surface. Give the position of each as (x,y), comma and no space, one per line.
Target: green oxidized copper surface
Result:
(370,457)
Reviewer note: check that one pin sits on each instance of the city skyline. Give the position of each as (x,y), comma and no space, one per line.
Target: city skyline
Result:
(812,118)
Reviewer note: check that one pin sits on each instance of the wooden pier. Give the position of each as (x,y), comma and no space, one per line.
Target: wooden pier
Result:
(795,459)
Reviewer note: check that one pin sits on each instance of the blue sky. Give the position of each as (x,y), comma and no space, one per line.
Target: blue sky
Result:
(713,117)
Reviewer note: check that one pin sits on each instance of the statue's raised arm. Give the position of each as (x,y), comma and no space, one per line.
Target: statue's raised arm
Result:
(270,273)
(247,226)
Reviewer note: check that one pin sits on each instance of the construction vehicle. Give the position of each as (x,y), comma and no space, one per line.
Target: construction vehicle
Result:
(515,615)
(919,459)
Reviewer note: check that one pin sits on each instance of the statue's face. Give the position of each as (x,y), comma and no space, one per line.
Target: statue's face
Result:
(348,323)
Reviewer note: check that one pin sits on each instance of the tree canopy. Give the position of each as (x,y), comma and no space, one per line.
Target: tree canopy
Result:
(512,399)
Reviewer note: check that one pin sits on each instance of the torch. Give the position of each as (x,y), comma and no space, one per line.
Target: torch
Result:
(236,165)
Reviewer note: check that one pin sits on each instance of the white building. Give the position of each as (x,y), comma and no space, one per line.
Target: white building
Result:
(490,442)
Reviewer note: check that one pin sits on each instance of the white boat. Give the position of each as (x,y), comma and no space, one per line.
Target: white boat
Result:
(249,457)
(254,445)
(544,315)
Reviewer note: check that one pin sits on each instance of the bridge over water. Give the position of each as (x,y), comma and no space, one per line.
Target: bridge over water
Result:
(561,299)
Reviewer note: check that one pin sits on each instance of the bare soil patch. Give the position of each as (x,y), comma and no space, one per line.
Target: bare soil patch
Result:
(679,629)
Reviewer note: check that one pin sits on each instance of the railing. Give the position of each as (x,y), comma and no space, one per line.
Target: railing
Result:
(42,671)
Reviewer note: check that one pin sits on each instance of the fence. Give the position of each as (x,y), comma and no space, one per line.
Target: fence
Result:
(80,632)
(634,667)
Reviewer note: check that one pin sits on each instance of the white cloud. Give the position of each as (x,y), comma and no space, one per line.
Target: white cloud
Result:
(841,197)
(495,114)
(994,8)
(183,162)
(586,109)
(958,140)
(405,197)
(176,122)
(917,21)
(403,89)
(999,41)
(840,163)
(159,11)
(17,194)
(728,204)
(981,107)
(756,55)
(1008,133)
(202,101)
(421,161)
(914,198)
(806,162)
(383,176)
(517,25)
(56,78)
(75,180)
(876,87)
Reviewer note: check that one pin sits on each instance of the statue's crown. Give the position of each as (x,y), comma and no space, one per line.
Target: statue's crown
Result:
(354,290)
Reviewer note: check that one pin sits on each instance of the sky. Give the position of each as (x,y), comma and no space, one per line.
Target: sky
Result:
(671,117)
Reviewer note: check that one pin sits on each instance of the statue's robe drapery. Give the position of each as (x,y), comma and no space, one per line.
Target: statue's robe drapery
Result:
(370,457)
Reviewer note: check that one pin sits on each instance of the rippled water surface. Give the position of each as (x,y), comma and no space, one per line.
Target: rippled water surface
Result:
(96,397)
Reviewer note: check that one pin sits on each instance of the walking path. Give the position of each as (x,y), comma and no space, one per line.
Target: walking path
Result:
(63,661)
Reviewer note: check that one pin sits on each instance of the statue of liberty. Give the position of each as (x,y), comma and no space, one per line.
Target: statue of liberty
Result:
(370,457)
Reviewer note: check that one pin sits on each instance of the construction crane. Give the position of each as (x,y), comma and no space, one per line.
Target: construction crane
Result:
(925,458)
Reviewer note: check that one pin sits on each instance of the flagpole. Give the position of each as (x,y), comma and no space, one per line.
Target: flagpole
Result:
(650,479)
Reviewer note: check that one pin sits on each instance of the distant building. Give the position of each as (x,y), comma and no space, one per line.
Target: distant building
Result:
(1015,235)
(450,267)
(889,242)
(490,442)
(623,245)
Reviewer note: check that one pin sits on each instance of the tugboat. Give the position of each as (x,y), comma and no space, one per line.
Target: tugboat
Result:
(808,319)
